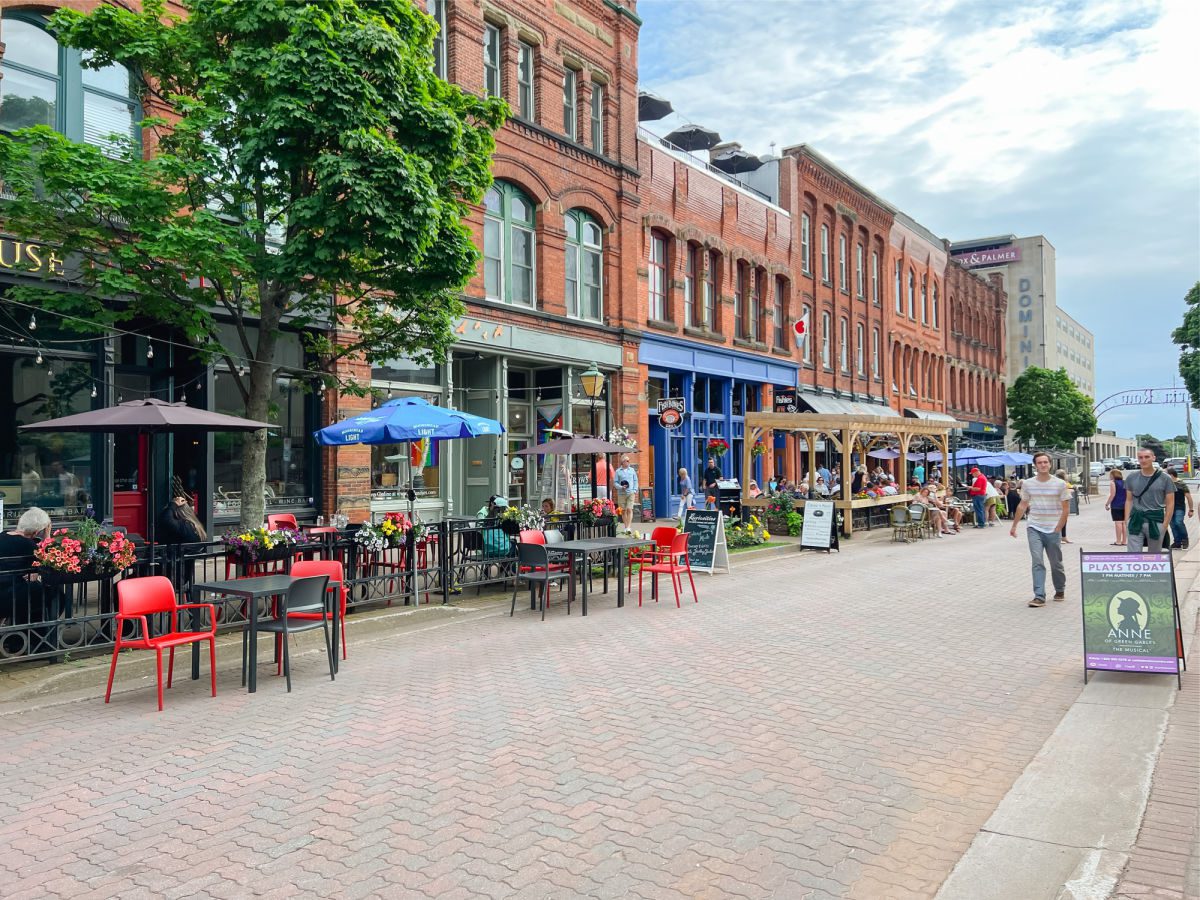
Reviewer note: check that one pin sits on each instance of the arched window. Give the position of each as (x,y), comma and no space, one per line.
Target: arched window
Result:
(825,322)
(933,309)
(924,299)
(508,245)
(844,345)
(875,353)
(859,350)
(693,314)
(711,278)
(805,242)
(806,318)
(658,276)
(825,253)
(740,275)
(899,292)
(46,84)
(778,311)
(584,265)
(912,294)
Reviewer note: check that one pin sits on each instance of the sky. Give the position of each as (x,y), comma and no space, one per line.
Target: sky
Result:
(1076,120)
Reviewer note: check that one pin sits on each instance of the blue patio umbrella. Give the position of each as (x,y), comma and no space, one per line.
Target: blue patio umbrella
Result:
(406,419)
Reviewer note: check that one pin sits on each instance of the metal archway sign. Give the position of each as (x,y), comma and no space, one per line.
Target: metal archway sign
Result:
(1142,397)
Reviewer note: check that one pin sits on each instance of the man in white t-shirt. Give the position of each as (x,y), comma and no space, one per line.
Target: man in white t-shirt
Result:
(1048,501)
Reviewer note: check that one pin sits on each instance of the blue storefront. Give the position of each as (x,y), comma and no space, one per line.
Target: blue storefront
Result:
(718,387)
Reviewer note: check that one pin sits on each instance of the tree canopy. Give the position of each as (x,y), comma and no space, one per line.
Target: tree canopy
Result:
(1044,405)
(1187,336)
(308,170)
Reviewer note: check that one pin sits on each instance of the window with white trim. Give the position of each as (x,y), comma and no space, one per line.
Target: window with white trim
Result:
(526,98)
(875,352)
(934,306)
(508,245)
(690,312)
(860,270)
(924,300)
(710,289)
(912,294)
(437,9)
(875,277)
(777,313)
(805,243)
(860,349)
(493,83)
(843,345)
(843,273)
(584,266)
(825,253)
(825,323)
(658,276)
(597,109)
(899,292)
(806,318)
(570,104)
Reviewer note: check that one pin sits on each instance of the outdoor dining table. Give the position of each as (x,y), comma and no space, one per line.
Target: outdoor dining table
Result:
(252,590)
(586,548)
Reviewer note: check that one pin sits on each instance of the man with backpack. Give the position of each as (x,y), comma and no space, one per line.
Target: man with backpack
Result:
(1149,503)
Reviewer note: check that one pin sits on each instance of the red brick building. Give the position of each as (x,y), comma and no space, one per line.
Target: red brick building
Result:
(915,319)
(975,355)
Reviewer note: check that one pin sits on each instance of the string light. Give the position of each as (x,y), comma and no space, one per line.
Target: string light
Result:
(93,392)
(149,350)
(39,358)
(32,322)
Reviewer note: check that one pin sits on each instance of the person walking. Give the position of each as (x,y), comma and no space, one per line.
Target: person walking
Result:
(978,494)
(919,473)
(628,492)
(604,476)
(1183,498)
(712,474)
(1148,506)
(1013,497)
(687,497)
(1062,475)
(1116,505)
(1047,499)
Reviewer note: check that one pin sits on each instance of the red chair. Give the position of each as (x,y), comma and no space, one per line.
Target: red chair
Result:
(306,568)
(275,521)
(673,562)
(539,538)
(662,537)
(138,598)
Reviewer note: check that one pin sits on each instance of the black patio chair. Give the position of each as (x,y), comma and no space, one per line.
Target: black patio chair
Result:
(307,597)
(533,566)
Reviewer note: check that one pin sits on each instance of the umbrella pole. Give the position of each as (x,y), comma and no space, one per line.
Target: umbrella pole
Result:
(151,513)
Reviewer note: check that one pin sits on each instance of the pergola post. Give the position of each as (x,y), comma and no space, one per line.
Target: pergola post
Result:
(847,446)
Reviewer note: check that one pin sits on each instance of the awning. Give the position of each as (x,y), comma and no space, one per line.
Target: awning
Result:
(836,406)
(929,415)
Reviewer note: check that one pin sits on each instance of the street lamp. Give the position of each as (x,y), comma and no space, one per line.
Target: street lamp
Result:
(592,382)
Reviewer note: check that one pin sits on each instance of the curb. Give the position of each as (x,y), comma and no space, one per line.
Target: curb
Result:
(1067,826)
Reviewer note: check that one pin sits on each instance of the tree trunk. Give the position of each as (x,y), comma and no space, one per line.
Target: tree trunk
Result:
(258,405)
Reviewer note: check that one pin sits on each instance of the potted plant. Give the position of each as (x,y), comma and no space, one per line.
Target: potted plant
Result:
(84,552)
(370,538)
(394,528)
(758,449)
(592,511)
(515,519)
(779,505)
(262,544)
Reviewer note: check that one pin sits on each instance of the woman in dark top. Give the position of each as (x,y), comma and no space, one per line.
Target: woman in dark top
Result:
(858,485)
(1116,504)
(21,599)
(1012,497)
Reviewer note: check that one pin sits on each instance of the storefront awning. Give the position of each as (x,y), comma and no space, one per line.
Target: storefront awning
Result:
(929,415)
(836,406)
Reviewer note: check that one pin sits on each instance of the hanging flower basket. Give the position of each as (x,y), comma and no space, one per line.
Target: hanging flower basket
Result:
(717,447)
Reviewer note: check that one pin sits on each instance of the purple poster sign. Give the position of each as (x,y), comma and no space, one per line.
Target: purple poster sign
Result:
(978,259)
(1130,616)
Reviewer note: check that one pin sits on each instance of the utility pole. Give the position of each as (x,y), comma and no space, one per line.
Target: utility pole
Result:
(1191,443)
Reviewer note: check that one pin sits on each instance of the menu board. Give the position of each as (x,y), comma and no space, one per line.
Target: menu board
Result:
(819,531)
(706,546)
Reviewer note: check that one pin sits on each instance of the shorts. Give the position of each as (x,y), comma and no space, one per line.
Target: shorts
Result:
(626,499)
(1118,513)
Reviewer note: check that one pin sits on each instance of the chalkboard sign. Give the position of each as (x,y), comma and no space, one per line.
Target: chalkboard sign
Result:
(706,546)
(819,531)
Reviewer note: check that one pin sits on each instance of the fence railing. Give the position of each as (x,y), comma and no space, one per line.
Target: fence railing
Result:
(45,616)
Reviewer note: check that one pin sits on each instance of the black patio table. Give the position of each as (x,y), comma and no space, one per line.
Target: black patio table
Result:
(252,590)
(586,548)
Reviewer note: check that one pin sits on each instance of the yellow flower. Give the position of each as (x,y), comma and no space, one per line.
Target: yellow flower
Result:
(766,535)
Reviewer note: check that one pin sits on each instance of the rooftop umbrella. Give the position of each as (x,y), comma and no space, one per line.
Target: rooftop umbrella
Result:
(734,162)
(651,106)
(149,416)
(694,137)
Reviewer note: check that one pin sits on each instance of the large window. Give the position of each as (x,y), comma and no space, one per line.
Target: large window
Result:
(754,313)
(805,242)
(570,102)
(806,318)
(739,300)
(45,84)
(437,9)
(860,270)
(825,322)
(843,276)
(899,292)
(493,84)
(924,300)
(875,277)
(658,276)
(912,294)
(934,308)
(597,109)
(844,345)
(583,266)
(825,253)
(525,82)
(508,242)
(691,315)
(860,349)
(777,314)
(875,353)
(710,289)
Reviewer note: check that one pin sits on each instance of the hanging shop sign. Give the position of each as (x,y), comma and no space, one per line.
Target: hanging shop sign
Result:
(670,412)
(1130,614)
(785,401)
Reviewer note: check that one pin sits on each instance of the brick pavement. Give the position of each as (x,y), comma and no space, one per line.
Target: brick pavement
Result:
(817,726)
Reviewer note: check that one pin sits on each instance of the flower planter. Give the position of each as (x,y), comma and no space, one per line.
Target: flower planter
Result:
(512,529)
(777,524)
(261,554)
(55,577)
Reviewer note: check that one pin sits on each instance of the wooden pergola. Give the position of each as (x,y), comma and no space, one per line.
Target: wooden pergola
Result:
(847,433)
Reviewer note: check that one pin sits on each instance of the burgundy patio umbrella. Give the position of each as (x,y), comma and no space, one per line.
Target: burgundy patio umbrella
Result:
(575,446)
(149,416)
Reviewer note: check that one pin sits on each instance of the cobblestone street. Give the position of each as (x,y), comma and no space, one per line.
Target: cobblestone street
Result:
(816,727)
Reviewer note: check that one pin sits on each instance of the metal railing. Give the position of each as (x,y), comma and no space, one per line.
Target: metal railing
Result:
(48,616)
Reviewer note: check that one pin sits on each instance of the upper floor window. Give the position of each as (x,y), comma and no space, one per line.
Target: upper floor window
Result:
(875,352)
(710,289)
(597,108)
(924,300)
(806,318)
(912,294)
(860,349)
(933,307)
(45,84)
(805,243)
(739,300)
(508,245)
(843,276)
(899,292)
(570,101)
(843,345)
(526,98)
(777,314)
(493,84)
(875,277)
(825,323)
(658,277)
(584,264)
(437,9)
(860,270)
(691,315)
(824,252)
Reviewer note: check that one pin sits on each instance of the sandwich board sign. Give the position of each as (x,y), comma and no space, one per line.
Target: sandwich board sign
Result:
(706,546)
(819,531)
(1131,619)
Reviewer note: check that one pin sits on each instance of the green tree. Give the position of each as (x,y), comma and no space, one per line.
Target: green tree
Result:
(1044,405)
(1187,336)
(309,168)
(1150,442)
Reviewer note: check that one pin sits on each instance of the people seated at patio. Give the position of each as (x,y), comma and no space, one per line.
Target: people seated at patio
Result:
(889,487)
(21,592)
(754,489)
(547,506)
(820,488)
(858,484)
(936,514)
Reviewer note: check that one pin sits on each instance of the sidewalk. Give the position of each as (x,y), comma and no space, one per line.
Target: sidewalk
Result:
(1110,807)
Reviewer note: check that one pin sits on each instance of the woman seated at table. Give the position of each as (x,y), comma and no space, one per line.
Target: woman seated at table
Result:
(496,543)
(949,507)
(936,515)
(820,489)
(547,506)
(22,597)
(754,489)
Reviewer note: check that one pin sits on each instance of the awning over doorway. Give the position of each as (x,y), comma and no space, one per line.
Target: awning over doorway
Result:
(836,406)
(928,415)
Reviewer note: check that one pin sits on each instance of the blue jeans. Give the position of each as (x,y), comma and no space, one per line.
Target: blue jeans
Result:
(1039,541)
(1179,535)
(980,511)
